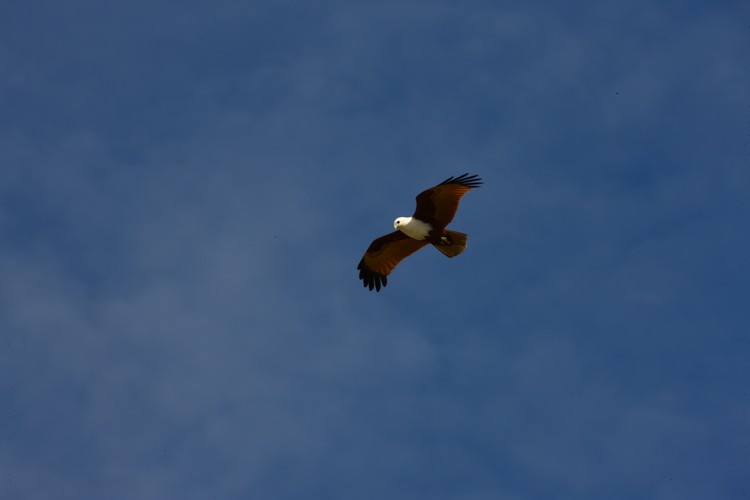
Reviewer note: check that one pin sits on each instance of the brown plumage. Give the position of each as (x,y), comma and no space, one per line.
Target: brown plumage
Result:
(436,208)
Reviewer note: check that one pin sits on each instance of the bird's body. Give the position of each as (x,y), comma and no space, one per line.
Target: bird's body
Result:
(436,208)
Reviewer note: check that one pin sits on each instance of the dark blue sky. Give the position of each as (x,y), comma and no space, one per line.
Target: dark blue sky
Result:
(186,190)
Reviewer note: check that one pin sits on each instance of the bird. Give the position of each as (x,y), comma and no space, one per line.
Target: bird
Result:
(436,208)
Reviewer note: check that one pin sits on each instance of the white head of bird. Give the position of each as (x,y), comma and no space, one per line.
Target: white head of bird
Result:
(412,227)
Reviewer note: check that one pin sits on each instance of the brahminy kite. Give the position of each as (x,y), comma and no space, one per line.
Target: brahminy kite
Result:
(435,210)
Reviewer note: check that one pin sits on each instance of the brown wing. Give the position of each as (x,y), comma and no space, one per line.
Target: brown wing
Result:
(438,204)
(383,255)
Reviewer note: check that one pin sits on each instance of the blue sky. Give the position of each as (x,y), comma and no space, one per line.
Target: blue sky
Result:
(186,190)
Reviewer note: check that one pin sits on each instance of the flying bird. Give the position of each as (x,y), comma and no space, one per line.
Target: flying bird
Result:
(435,210)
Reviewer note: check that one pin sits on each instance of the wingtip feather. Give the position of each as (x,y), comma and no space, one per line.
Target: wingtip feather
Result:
(470,181)
(371,279)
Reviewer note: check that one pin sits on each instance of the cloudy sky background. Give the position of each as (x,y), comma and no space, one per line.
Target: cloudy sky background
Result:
(186,190)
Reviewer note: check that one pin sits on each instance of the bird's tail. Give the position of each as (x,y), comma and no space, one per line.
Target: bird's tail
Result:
(453,243)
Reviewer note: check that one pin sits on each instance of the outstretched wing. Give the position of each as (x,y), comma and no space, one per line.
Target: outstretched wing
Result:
(438,204)
(383,255)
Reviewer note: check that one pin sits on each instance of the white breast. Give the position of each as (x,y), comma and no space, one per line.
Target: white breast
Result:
(414,228)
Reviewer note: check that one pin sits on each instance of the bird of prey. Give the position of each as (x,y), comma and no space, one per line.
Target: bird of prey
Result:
(435,210)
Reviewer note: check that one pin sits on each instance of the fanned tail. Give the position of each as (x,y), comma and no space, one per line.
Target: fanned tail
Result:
(455,245)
